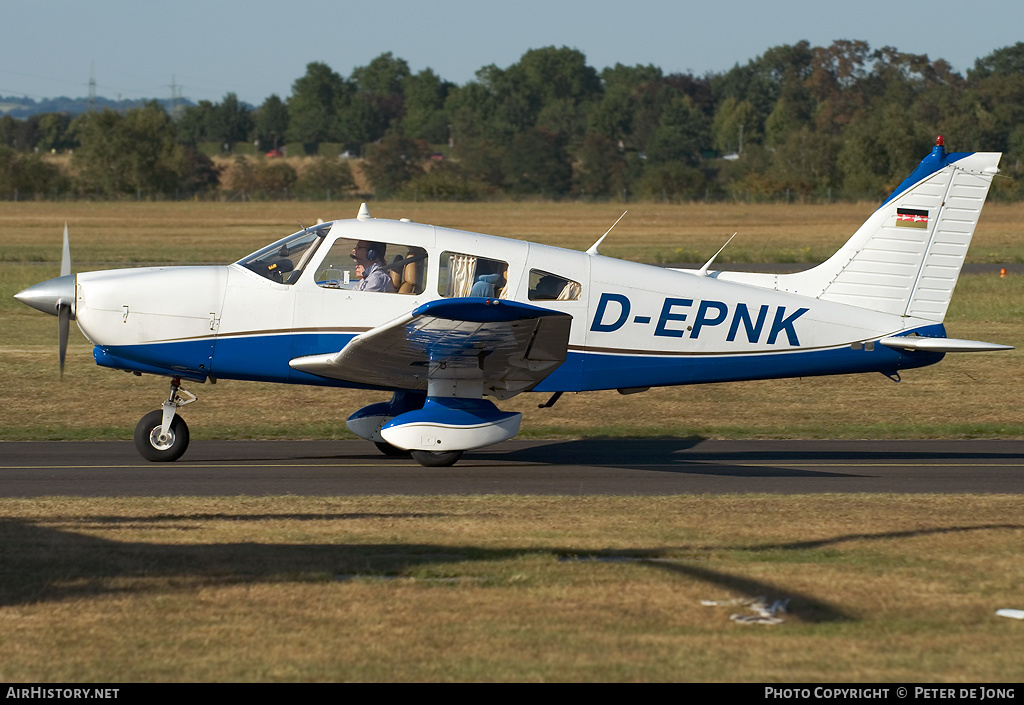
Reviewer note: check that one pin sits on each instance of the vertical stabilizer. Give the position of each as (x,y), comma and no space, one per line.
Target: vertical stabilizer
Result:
(906,258)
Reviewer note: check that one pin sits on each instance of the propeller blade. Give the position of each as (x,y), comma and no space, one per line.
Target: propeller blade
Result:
(64,308)
(64,322)
(65,255)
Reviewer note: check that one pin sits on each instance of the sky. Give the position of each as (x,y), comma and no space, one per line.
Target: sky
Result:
(255,48)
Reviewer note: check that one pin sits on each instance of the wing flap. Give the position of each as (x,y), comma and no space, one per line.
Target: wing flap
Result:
(510,345)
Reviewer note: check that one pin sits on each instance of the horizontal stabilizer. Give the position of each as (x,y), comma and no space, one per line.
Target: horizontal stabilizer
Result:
(914,342)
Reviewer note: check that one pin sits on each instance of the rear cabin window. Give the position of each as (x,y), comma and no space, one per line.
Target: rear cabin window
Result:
(470,275)
(405,265)
(545,286)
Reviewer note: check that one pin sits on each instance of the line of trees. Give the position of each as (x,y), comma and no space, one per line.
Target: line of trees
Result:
(799,120)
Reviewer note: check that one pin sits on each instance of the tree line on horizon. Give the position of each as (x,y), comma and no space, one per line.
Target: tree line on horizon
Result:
(806,122)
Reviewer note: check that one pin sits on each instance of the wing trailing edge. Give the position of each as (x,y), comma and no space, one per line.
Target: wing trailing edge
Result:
(502,347)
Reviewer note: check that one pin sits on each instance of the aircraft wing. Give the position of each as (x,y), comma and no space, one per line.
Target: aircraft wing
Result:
(509,346)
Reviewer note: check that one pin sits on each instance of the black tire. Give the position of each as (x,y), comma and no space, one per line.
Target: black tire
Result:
(148,445)
(436,458)
(390,450)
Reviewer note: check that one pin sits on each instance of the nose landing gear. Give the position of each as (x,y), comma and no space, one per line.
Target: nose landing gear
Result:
(162,436)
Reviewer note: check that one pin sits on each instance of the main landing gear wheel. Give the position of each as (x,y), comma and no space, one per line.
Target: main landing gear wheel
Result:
(436,458)
(390,450)
(154,446)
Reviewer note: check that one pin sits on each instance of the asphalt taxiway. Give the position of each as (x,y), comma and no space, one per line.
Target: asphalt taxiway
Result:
(552,467)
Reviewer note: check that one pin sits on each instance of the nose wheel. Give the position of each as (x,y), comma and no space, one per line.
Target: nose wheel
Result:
(162,436)
(156,446)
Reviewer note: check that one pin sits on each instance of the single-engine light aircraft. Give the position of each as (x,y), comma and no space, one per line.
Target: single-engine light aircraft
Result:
(445,318)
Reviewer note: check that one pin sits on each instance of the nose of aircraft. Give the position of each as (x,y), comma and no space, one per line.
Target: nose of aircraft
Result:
(49,296)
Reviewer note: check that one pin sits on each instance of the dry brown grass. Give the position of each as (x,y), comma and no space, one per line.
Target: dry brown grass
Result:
(509,589)
(224,232)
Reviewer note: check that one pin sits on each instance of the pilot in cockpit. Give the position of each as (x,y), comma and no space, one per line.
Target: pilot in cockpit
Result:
(375,275)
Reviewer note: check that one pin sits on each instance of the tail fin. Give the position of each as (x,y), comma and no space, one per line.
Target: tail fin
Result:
(907,257)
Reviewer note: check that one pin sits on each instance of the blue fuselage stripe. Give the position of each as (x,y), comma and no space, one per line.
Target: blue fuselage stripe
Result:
(264,358)
(604,371)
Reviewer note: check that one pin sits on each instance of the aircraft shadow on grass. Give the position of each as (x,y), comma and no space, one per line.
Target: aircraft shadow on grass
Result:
(46,564)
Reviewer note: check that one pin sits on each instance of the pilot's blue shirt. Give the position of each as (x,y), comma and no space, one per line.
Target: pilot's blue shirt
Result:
(377,279)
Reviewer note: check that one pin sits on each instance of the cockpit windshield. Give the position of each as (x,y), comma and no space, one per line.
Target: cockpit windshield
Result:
(283,261)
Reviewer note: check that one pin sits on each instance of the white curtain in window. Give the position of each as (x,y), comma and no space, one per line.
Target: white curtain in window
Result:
(570,292)
(462,270)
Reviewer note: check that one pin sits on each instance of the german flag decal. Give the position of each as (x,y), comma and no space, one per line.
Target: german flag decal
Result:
(911,218)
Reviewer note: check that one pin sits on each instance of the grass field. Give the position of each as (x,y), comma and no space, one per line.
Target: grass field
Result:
(494,588)
(881,588)
(223,232)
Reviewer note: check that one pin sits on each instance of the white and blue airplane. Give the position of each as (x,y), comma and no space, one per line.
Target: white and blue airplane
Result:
(466,317)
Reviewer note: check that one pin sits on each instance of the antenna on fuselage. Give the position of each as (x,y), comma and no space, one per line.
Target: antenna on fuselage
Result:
(364,213)
(592,250)
(704,270)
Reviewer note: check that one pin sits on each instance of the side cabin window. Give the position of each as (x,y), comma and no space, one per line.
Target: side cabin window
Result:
(387,267)
(545,286)
(470,275)
(283,261)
